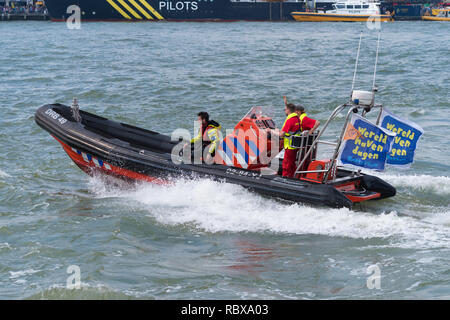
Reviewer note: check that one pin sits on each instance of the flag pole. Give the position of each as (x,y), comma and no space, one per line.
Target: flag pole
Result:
(356,64)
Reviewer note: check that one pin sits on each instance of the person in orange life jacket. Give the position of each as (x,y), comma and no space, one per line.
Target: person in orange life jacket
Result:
(208,135)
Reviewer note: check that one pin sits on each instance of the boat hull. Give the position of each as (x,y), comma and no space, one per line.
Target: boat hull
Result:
(134,154)
(431,18)
(332,17)
(173,10)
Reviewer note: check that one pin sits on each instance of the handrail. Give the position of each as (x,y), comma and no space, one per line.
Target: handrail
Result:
(336,111)
(336,151)
(355,109)
(312,171)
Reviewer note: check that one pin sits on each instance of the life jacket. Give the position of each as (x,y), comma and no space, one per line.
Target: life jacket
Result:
(209,135)
(288,135)
(212,127)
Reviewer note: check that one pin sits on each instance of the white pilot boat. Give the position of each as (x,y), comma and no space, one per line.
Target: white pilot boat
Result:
(350,11)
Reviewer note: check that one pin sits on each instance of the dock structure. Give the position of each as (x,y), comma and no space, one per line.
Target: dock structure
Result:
(24,16)
(20,10)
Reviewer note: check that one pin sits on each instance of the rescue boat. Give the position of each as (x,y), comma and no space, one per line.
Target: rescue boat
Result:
(99,145)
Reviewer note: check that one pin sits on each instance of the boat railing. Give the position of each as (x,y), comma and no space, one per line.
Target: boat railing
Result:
(308,151)
(360,100)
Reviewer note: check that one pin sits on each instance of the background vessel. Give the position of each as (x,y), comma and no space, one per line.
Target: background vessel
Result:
(175,10)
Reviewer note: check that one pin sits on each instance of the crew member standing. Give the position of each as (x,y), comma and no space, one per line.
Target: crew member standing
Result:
(306,123)
(290,127)
(296,122)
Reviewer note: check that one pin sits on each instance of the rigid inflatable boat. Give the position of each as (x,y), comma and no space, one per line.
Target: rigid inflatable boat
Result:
(97,144)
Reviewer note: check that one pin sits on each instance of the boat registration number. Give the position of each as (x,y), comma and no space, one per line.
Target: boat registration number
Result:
(243,173)
(55,116)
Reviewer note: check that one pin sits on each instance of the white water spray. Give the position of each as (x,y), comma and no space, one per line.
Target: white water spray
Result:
(218,207)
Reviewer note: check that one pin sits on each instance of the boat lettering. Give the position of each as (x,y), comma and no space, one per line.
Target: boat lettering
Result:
(55,116)
(178,6)
(243,173)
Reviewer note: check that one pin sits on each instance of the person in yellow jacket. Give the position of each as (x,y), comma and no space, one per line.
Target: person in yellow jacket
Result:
(208,135)
(296,122)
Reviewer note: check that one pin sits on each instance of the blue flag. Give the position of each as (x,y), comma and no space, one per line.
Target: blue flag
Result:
(405,143)
(365,145)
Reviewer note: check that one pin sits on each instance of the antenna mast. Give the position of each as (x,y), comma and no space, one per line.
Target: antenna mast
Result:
(356,64)
(376,63)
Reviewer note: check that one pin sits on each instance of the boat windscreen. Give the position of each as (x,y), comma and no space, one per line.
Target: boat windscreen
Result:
(259,112)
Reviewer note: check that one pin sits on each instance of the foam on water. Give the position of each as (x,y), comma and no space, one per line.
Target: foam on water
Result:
(442,218)
(418,112)
(4,174)
(220,207)
(22,273)
(88,292)
(437,184)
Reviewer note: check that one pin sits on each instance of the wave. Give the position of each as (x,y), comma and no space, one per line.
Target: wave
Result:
(4,246)
(418,112)
(220,207)
(442,218)
(86,292)
(21,273)
(4,174)
(436,184)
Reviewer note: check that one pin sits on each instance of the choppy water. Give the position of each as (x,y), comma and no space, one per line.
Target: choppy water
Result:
(203,240)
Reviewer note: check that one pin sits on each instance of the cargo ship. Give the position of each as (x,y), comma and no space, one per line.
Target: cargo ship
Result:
(210,10)
(175,10)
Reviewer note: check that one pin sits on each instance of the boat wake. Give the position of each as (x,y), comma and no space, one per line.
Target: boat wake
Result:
(219,207)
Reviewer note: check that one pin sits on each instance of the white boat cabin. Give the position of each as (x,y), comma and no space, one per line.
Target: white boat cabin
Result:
(355,7)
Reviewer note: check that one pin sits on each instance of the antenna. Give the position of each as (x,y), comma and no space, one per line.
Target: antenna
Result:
(356,64)
(374,88)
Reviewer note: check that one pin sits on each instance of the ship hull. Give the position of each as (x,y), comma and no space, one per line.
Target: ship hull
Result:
(432,18)
(172,10)
(332,17)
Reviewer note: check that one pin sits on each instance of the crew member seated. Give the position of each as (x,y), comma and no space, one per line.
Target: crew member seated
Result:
(208,135)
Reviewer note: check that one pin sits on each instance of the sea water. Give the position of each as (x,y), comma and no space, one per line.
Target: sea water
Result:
(202,239)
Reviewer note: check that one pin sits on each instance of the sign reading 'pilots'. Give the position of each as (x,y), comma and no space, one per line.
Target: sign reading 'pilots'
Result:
(178,5)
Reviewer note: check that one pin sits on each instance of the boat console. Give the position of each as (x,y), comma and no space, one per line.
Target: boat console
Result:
(250,145)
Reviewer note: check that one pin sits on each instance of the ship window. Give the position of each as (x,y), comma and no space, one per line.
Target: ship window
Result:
(365,6)
(358,6)
(341,6)
(350,6)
